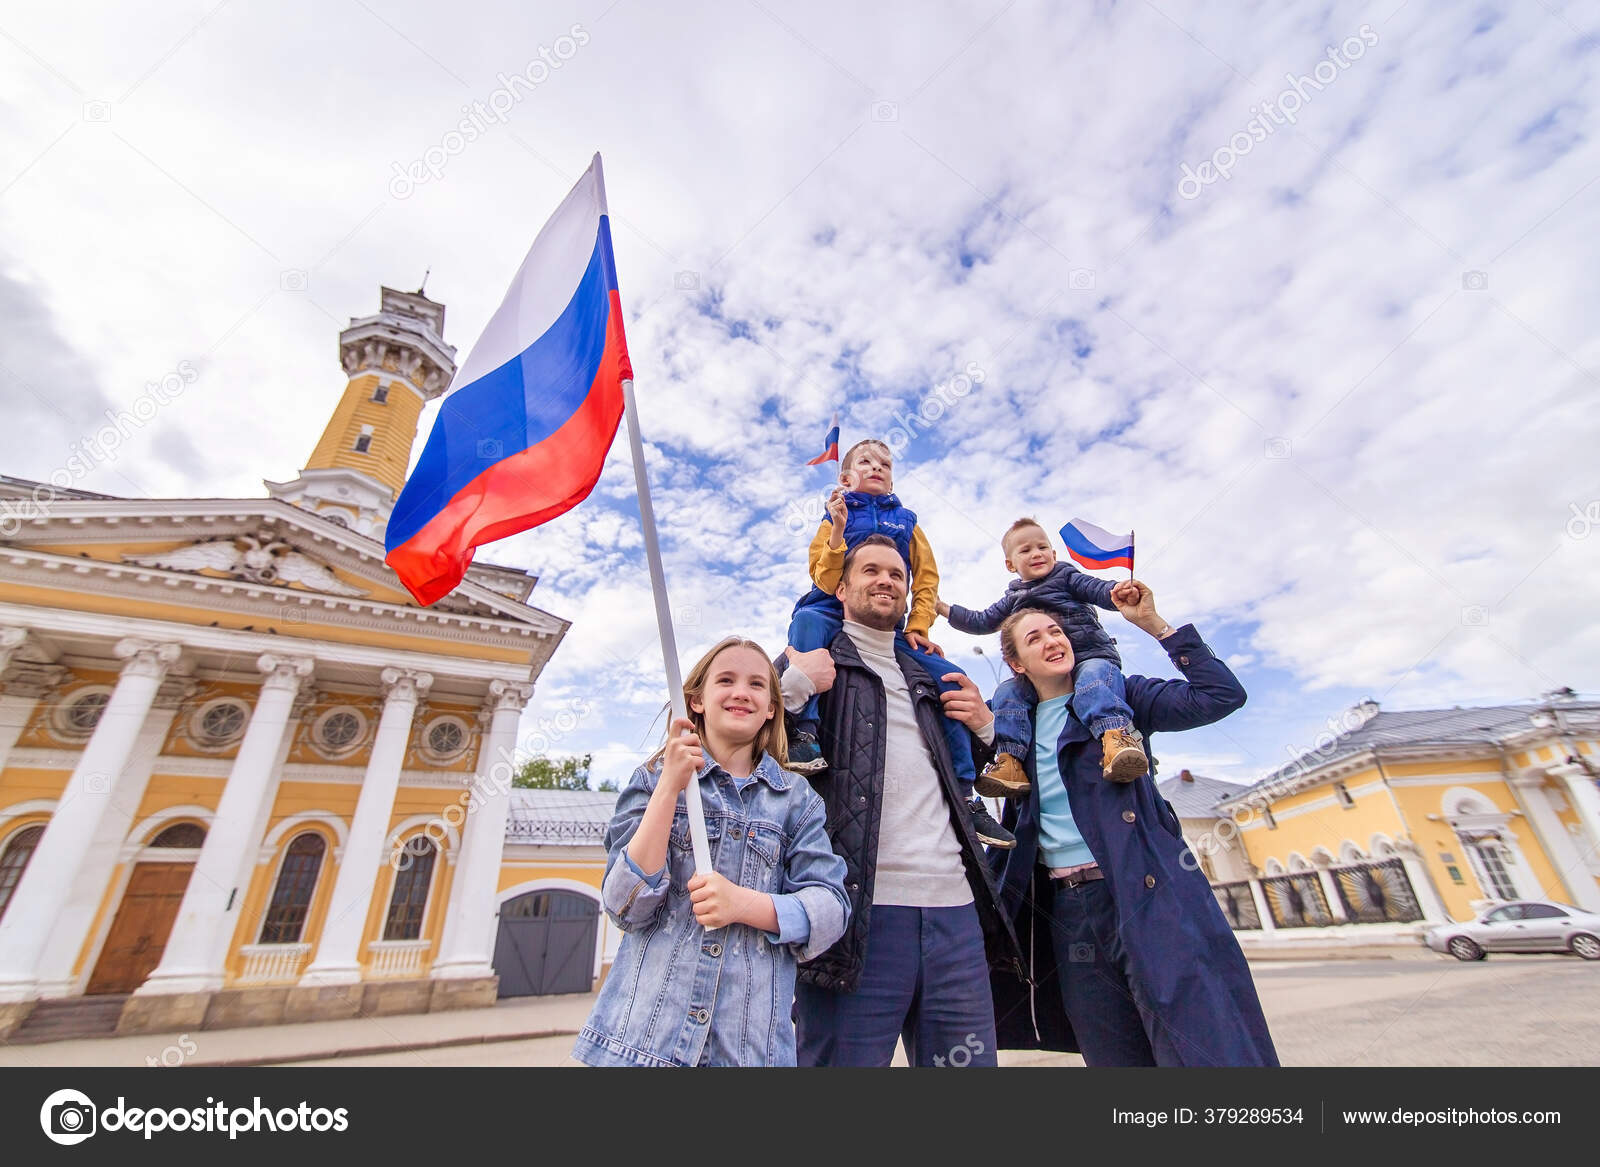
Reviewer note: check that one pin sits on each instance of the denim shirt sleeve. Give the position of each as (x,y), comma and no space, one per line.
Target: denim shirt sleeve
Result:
(813,881)
(652,880)
(631,897)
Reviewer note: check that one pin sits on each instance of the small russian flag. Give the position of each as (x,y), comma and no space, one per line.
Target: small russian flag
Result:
(1096,548)
(830,444)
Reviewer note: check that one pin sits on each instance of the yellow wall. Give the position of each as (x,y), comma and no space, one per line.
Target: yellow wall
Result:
(1327,826)
(41,732)
(394,429)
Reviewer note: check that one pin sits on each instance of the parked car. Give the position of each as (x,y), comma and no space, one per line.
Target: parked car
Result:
(1523,926)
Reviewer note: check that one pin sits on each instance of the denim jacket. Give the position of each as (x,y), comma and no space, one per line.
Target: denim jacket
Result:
(678,995)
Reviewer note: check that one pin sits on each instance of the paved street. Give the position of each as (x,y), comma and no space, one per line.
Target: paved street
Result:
(1509,1010)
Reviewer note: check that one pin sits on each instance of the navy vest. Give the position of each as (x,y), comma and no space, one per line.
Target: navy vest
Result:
(879,514)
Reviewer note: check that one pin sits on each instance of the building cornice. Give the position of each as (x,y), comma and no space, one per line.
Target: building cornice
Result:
(121,520)
(248,644)
(184,766)
(1275,789)
(22,565)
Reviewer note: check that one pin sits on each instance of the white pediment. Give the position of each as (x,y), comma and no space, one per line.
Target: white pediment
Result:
(254,558)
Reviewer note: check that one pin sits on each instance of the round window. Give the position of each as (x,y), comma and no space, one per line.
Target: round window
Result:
(339,730)
(446,737)
(84,713)
(223,722)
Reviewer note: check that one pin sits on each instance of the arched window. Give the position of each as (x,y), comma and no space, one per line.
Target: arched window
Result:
(291,897)
(410,897)
(15,861)
(188,835)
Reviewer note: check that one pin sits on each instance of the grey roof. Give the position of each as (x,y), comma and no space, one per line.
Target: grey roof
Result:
(1197,798)
(1484,725)
(559,816)
(27,487)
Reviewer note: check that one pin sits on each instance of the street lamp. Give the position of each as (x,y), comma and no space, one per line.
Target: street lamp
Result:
(977,650)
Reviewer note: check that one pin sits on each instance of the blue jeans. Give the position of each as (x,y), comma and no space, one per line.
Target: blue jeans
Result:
(814,625)
(926,981)
(1095,991)
(1099,699)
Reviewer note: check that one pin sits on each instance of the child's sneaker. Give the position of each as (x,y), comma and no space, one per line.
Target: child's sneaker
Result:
(1003,778)
(1123,755)
(805,753)
(990,833)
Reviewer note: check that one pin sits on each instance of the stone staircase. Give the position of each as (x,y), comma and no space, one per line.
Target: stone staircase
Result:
(68,1018)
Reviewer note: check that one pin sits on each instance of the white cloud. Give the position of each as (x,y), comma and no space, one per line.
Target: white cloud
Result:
(853,254)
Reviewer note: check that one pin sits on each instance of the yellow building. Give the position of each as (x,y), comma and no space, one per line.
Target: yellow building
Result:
(244,777)
(1398,820)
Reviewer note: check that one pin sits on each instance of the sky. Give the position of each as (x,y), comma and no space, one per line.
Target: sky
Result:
(1299,293)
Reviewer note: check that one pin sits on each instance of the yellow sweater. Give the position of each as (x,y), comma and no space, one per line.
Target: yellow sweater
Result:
(827,565)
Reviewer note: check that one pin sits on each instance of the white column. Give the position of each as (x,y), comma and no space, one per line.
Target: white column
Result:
(1330,891)
(1572,867)
(198,946)
(1585,797)
(11,639)
(108,848)
(45,885)
(25,686)
(1263,909)
(467,948)
(339,950)
(15,708)
(1422,886)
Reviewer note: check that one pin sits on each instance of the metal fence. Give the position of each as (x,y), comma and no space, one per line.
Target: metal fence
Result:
(1296,901)
(1237,904)
(1377,893)
(557,831)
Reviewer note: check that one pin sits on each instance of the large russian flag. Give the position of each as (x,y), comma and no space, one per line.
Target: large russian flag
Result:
(1095,547)
(526,424)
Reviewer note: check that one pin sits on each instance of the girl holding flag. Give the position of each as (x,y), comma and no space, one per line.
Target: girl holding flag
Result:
(706,971)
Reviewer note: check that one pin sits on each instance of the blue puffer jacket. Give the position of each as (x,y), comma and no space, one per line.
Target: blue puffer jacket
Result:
(871,514)
(1066,593)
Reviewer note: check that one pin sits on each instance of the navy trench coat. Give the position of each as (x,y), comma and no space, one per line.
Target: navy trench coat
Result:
(1185,968)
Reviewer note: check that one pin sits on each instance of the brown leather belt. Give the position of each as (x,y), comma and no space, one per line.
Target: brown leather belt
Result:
(1078,878)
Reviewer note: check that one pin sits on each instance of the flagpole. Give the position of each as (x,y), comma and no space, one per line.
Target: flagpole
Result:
(669,642)
(1130,554)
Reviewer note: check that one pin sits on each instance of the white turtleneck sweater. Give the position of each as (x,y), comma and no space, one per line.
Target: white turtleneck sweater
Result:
(919,858)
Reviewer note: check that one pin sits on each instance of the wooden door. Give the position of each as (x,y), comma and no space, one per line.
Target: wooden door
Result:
(143,922)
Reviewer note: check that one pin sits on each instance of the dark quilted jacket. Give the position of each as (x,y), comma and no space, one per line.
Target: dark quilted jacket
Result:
(1066,593)
(853,713)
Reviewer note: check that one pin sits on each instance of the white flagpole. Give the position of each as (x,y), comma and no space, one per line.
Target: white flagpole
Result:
(669,643)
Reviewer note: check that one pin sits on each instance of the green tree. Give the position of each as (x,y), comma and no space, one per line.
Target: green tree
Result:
(570,773)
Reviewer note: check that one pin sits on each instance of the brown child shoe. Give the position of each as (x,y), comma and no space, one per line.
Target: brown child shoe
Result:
(1124,759)
(1002,778)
